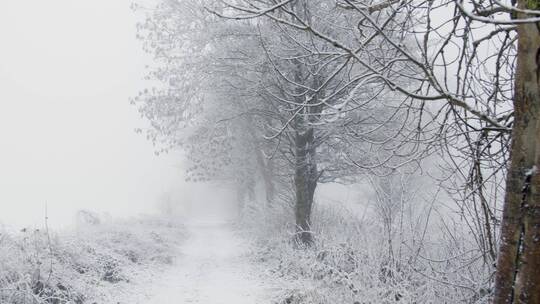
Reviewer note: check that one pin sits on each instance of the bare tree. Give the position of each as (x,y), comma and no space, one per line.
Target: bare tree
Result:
(328,99)
(495,95)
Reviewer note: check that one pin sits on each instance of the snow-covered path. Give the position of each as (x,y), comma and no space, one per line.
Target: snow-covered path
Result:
(212,269)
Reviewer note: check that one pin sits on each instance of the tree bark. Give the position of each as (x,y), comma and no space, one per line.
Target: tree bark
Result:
(306,175)
(517,278)
(305,180)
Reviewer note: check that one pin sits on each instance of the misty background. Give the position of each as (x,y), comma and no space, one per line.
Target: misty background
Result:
(67,71)
(317,151)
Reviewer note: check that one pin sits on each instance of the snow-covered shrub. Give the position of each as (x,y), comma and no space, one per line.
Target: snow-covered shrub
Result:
(86,265)
(351,262)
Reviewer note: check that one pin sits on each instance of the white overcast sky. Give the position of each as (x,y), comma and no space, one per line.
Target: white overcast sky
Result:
(67,71)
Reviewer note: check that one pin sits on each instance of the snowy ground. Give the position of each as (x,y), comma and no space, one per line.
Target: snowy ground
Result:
(212,269)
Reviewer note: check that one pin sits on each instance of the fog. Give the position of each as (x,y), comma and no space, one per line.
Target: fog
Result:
(67,71)
(319,151)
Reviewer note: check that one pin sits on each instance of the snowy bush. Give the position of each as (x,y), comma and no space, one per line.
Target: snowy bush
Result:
(87,265)
(350,261)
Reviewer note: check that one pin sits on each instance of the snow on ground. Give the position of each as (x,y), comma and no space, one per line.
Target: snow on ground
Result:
(212,269)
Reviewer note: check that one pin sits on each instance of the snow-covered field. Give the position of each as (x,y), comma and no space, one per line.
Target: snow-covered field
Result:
(201,258)
(101,261)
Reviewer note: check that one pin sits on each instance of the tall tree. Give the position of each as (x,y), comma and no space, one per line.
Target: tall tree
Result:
(493,96)
(205,90)
(320,92)
(517,277)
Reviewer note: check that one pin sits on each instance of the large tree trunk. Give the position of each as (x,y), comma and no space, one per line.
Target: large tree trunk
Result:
(517,279)
(306,175)
(305,180)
